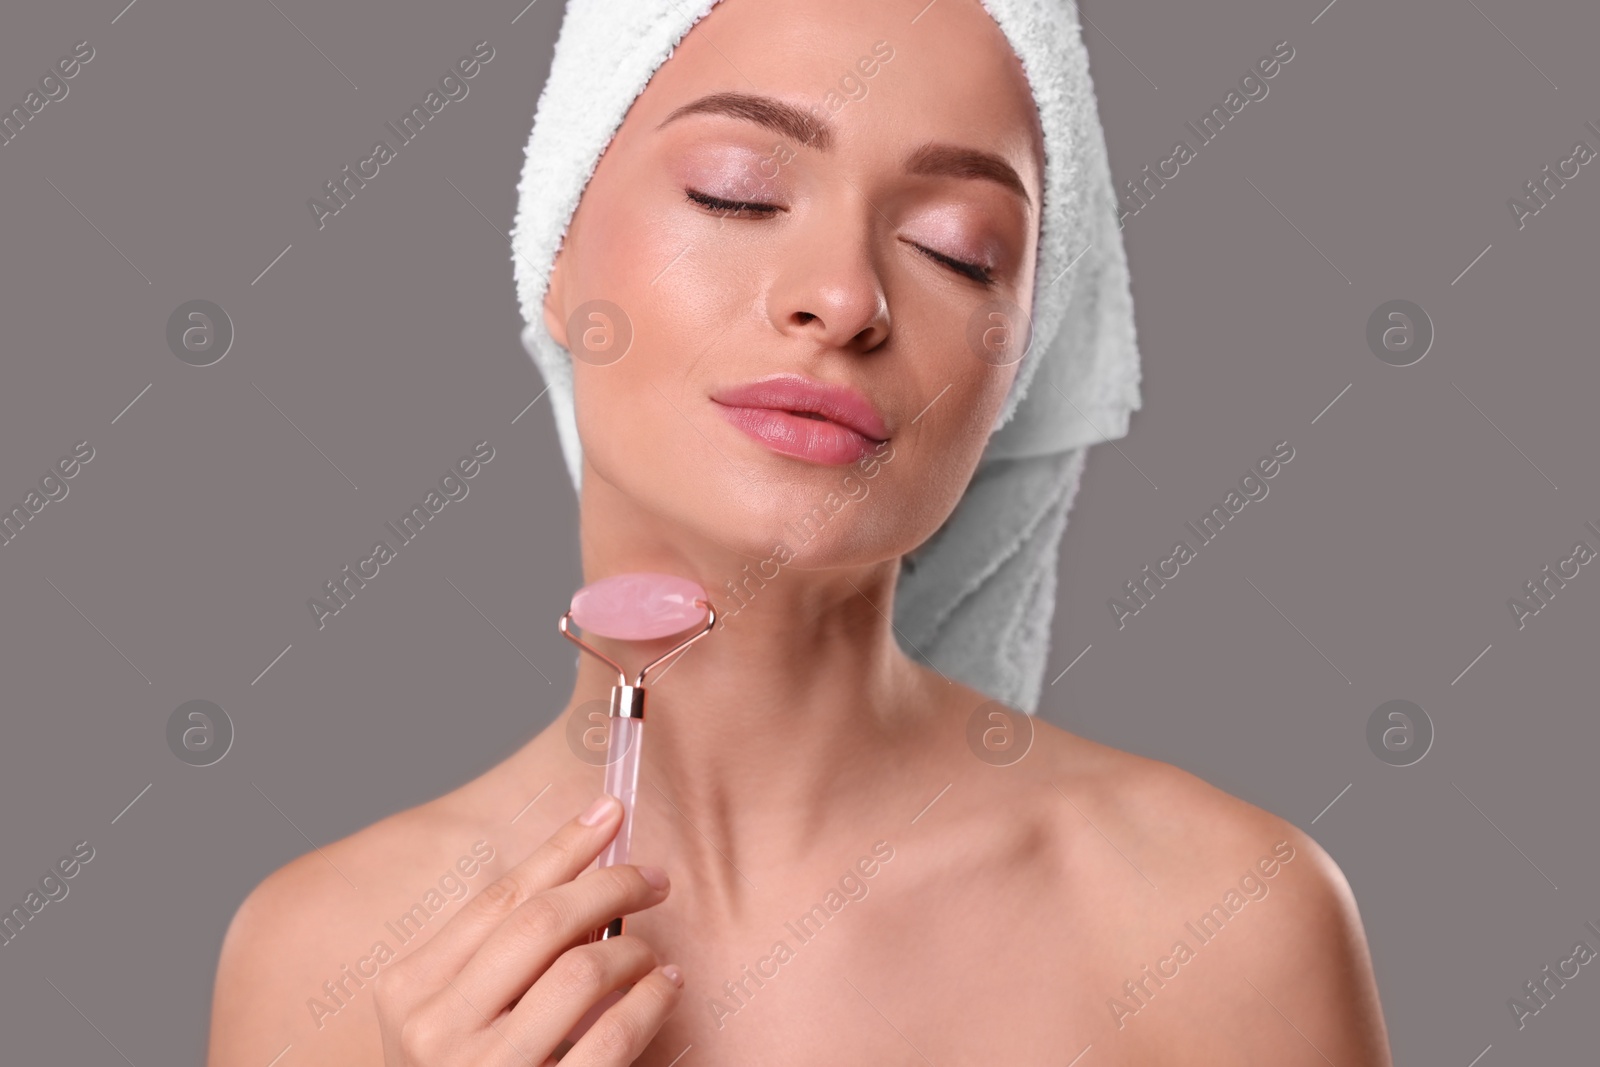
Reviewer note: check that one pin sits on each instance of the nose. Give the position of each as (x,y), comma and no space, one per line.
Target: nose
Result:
(829,289)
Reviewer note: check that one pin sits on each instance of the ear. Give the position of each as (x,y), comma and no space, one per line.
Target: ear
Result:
(554,320)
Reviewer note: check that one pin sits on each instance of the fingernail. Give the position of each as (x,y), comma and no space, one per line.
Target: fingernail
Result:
(655,876)
(674,975)
(599,810)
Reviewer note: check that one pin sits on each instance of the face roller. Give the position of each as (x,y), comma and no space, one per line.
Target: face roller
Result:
(640,606)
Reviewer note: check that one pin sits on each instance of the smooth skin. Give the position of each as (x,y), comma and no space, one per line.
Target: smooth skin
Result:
(791,750)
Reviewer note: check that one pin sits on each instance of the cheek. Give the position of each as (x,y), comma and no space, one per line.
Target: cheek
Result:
(619,284)
(630,432)
(644,242)
(679,278)
(617,254)
(964,389)
(676,298)
(934,463)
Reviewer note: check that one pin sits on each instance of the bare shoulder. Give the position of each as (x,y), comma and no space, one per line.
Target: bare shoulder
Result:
(1187,823)
(1247,889)
(300,956)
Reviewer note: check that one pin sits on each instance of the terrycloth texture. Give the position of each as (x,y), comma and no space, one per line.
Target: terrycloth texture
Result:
(976,600)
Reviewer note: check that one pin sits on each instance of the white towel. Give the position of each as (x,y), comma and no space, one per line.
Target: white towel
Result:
(976,600)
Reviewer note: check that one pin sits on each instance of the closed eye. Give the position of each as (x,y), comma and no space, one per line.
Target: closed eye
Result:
(730,207)
(977,272)
(745,209)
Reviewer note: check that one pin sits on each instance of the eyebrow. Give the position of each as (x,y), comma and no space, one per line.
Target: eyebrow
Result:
(930,160)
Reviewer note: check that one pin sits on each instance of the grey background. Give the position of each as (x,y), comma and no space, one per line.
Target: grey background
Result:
(179,565)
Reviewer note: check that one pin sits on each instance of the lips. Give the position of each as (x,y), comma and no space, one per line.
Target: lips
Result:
(803,418)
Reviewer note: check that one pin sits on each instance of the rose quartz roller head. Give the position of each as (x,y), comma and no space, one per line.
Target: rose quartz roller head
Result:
(632,607)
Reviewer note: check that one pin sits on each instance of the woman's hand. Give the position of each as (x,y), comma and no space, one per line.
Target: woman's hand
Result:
(508,977)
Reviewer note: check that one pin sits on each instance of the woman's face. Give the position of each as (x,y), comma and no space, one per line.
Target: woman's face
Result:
(819,205)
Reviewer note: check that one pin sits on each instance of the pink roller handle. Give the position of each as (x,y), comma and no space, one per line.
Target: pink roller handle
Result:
(622,782)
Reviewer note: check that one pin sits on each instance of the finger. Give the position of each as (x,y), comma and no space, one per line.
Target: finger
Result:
(621,1033)
(558,859)
(581,980)
(531,938)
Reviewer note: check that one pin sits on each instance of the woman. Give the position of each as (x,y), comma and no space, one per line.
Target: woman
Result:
(828,874)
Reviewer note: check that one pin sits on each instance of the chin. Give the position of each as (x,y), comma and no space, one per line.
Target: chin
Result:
(811,518)
(813,522)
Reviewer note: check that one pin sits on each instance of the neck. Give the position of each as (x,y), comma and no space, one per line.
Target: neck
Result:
(780,722)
